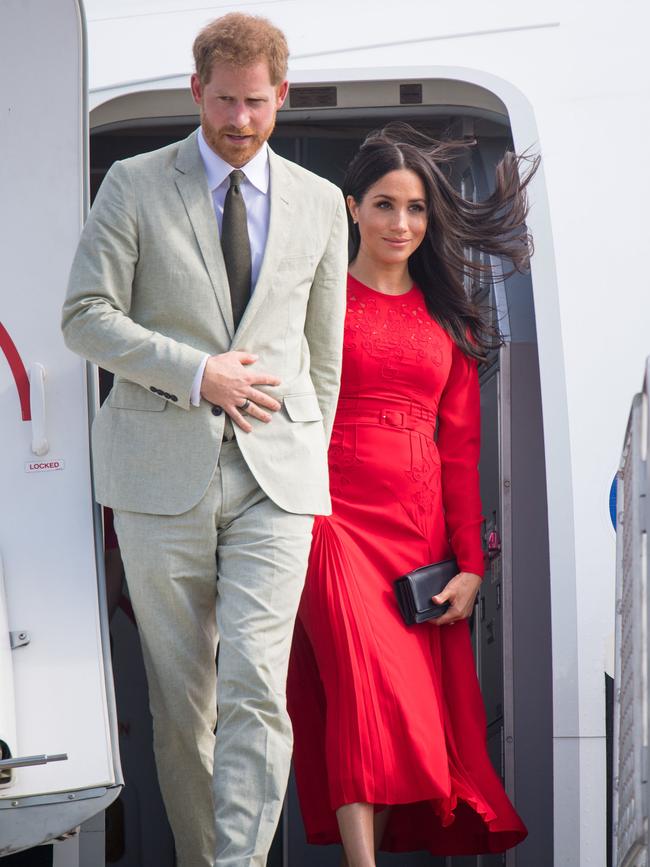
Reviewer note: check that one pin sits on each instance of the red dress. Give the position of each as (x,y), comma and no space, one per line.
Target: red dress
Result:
(384,713)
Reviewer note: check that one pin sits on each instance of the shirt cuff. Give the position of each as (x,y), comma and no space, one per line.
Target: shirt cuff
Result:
(195,394)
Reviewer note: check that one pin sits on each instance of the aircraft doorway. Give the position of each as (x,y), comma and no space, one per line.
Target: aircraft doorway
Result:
(511,624)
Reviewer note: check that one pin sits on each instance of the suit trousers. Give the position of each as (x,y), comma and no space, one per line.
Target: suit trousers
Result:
(230,571)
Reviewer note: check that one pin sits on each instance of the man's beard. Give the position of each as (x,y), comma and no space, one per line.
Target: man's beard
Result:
(235,155)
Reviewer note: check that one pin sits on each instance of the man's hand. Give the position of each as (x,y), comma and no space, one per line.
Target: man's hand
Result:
(461,592)
(228,384)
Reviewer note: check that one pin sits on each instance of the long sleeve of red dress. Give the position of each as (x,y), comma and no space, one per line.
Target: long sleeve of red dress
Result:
(459,446)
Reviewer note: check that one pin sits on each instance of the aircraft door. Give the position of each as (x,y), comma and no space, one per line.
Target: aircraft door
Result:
(512,618)
(488,615)
(511,624)
(59,763)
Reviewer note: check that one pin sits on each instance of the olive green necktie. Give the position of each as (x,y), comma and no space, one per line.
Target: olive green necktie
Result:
(236,246)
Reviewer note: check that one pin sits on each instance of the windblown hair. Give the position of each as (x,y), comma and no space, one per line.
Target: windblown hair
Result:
(241,40)
(455,225)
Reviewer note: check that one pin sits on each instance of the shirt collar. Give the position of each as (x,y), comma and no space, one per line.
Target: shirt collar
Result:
(217,170)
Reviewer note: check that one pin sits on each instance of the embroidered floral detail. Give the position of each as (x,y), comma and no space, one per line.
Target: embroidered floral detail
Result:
(393,332)
(428,481)
(342,459)
(425,476)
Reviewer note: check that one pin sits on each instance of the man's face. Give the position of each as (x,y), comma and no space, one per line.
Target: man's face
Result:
(238,108)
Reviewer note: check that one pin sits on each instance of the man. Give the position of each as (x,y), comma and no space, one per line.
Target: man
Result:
(210,279)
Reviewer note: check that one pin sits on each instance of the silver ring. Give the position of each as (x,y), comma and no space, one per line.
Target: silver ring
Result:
(244,405)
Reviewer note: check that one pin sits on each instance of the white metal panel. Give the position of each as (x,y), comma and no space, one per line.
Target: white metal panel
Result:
(156,37)
(357,90)
(63,702)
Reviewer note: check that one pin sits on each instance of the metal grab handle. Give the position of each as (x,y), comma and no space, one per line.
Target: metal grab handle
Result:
(28,761)
(40,445)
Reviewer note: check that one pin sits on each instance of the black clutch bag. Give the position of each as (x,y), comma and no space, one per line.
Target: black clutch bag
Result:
(415,589)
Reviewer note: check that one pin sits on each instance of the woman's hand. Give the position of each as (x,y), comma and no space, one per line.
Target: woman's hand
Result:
(461,592)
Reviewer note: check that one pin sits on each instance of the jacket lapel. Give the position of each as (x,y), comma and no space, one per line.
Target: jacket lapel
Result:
(193,188)
(280,190)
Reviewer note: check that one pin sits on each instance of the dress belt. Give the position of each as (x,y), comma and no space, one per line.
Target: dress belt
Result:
(374,411)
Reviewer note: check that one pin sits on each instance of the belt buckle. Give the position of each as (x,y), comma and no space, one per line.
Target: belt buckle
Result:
(392,417)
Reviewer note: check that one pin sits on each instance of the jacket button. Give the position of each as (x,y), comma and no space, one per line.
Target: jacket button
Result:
(166,394)
(153,388)
(216,410)
(173,397)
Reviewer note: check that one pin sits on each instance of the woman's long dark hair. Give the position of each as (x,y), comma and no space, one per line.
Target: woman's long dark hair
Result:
(455,225)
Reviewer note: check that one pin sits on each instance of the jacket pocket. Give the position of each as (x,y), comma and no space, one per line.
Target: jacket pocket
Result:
(302,407)
(293,263)
(129,395)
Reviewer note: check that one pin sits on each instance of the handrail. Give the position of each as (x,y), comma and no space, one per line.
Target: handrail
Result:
(29,761)
(40,445)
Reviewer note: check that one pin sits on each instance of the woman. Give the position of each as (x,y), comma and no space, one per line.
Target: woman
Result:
(388,719)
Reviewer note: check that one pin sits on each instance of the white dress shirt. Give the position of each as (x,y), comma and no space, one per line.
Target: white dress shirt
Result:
(255,190)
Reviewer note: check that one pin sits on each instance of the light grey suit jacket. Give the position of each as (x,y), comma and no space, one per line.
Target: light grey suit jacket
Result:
(148,296)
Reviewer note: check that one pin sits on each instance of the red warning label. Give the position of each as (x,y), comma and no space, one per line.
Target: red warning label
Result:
(44,466)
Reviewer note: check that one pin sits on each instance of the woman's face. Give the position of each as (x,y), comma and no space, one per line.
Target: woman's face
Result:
(392,217)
